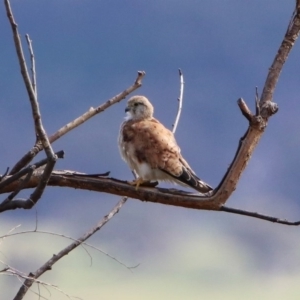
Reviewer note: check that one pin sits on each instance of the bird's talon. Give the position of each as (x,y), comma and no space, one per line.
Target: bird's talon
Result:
(136,183)
(140,182)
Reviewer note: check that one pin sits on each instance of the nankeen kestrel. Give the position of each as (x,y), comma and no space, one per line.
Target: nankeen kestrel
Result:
(150,149)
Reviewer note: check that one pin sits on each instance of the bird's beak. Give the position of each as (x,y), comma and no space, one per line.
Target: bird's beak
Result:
(127,109)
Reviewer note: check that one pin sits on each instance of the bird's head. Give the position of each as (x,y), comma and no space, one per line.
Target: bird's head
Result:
(138,108)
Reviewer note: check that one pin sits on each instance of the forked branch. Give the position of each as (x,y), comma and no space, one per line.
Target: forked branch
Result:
(36,115)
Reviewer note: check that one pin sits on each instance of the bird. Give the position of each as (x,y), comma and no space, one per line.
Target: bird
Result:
(151,151)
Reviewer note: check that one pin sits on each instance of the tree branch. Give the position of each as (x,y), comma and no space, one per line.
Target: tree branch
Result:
(258,216)
(180,99)
(36,114)
(105,184)
(29,87)
(258,122)
(33,72)
(56,257)
(26,159)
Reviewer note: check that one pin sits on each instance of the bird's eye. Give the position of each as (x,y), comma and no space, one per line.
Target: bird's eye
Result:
(136,104)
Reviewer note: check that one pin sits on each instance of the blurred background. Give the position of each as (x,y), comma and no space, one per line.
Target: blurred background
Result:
(88,51)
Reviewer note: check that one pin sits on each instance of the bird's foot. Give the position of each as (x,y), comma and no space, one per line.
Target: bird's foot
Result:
(140,182)
(136,183)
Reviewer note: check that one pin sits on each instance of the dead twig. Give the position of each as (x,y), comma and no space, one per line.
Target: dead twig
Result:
(180,100)
(258,216)
(9,271)
(11,234)
(33,72)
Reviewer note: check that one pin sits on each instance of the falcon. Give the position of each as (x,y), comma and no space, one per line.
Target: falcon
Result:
(150,149)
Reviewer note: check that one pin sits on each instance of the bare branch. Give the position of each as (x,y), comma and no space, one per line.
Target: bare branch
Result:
(258,216)
(150,194)
(116,187)
(257,107)
(245,109)
(33,72)
(38,125)
(78,121)
(257,123)
(56,257)
(180,99)
(11,234)
(29,87)
(20,275)
(287,44)
(19,50)
(93,111)
(2,176)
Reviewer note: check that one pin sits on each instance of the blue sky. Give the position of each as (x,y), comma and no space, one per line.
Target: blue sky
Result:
(88,51)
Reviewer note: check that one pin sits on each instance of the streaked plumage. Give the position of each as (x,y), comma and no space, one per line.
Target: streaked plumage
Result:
(151,150)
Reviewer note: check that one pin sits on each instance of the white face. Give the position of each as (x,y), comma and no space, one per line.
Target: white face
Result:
(135,110)
(128,116)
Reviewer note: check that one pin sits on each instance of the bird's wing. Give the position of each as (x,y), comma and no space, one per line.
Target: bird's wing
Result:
(156,145)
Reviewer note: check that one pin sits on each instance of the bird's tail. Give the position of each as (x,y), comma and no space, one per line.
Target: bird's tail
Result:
(202,186)
(195,182)
(188,177)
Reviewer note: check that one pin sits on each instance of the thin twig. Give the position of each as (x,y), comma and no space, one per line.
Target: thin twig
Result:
(258,216)
(245,109)
(33,72)
(2,176)
(21,275)
(180,99)
(48,265)
(9,234)
(257,106)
